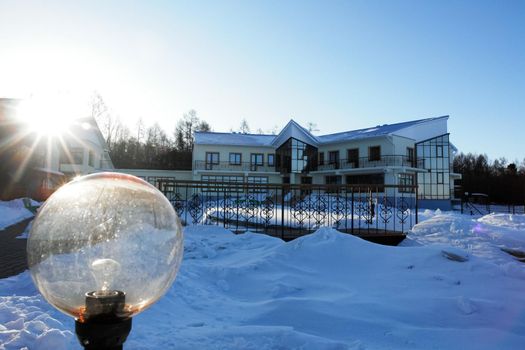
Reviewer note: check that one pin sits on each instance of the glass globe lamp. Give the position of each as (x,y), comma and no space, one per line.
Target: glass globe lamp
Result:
(102,249)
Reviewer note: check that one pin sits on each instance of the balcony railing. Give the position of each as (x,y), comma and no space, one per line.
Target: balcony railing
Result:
(227,166)
(365,162)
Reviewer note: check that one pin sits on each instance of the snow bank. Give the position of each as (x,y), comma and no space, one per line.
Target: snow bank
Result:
(25,318)
(487,237)
(323,291)
(12,212)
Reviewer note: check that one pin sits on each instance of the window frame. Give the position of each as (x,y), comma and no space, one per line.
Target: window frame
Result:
(337,157)
(438,175)
(353,159)
(235,162)
(371,154)
(272,155)
(254,165)
(439,151)
(91,158)
(72,155)
(403,177)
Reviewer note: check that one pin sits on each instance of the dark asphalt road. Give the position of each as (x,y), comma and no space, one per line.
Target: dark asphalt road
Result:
(13,251)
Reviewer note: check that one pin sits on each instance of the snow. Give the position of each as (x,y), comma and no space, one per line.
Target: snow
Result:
(450,287)
(379,130)
(13,211)
(485,237)
(236,139)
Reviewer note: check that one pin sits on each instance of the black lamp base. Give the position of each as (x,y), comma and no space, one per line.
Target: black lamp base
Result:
(103,336)
(105,326)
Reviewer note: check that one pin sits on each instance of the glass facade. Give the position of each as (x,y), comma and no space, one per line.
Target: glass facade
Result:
(295,156)
(406,179)
(435,183)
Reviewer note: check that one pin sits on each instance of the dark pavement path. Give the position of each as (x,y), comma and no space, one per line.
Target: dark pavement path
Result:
(13,251)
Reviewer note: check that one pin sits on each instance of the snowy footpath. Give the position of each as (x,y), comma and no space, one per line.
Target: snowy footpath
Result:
(450,286)
(14,211)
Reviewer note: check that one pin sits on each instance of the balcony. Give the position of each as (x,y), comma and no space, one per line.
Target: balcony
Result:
(232,167)
(365,162)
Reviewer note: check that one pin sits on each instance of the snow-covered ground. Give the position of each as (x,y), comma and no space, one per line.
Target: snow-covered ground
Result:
(13,211)
(323,291)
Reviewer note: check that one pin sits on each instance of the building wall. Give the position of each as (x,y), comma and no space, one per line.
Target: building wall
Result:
(386,147)
(81,137)
(199,152)
(152,175)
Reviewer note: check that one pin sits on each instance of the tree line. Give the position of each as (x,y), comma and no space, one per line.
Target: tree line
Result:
(150,147)
(147,147)
(502,181)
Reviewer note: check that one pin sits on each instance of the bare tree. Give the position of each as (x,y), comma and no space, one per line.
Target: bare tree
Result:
(112,128)
(244,128)
(140,129)
(185,129)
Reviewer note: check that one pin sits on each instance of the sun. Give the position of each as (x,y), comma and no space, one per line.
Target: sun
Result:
(46,116)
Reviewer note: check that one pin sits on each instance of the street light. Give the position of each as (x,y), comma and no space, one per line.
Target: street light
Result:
(102,249)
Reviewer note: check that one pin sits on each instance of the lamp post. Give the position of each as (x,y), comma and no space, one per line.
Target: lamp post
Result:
(102,249)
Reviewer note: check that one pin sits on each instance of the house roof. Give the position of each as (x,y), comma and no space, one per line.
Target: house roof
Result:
(239,139)
(234,139)
(295,130)
(379,130)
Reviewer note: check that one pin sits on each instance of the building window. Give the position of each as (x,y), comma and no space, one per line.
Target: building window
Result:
(410,154)
(256,159)
(222,178)
(374,181)
(212,158)
(257,179)
(333,180)
(260,180)
(321,158)
(271,160)
(440,178)
(158,181)
(73,155)
(333,158)
(233,179)
(91,159)
(374,153)
(353,157)
(406,180)
(235,158)
(439,151)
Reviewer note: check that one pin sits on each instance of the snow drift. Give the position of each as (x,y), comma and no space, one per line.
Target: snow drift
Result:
(327,290)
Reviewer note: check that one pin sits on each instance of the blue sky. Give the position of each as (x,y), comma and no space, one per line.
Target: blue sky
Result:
(340,64)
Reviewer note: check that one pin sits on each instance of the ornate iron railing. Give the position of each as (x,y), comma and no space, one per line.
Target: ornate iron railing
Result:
(366,162)
(289,211)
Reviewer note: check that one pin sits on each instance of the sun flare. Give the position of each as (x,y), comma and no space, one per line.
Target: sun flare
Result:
(46,116)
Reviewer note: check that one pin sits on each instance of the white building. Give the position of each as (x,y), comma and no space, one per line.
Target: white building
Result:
(39,161)
(409,153)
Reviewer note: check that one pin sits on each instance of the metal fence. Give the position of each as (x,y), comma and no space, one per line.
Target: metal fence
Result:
(290,211)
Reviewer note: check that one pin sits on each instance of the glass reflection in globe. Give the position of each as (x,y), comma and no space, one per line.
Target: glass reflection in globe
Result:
(104,243)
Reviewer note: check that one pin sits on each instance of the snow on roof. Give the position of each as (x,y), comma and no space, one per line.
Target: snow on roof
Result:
(379,130)
(238,139)
(234,139)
